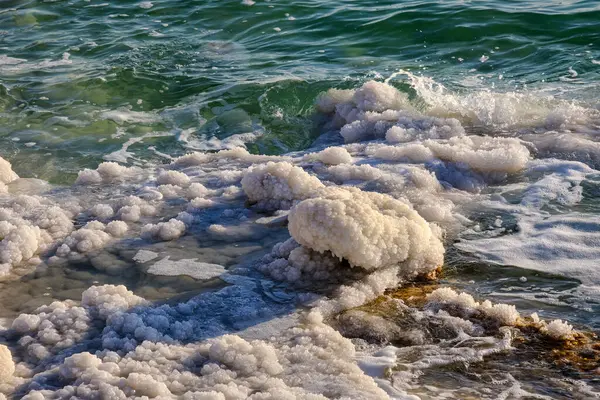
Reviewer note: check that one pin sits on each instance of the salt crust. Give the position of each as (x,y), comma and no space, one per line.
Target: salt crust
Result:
(7,366)
(300,363)
(362,240)
(465,306)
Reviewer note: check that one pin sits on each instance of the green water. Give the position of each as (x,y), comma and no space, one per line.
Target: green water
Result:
(217,68)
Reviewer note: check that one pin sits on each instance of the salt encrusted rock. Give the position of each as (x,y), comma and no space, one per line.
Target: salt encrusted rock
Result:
(558,330)
(370,230)
(466,306)
(278,185)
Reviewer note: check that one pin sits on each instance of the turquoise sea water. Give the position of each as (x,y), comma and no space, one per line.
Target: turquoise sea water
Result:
(143,82)
(188,64)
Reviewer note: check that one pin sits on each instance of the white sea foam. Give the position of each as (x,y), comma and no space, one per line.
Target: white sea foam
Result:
(11,65)
(6,60)
(128,116)
(499,109)
(566,244)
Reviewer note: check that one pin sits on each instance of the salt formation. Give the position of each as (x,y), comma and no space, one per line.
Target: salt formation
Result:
(378,110)
(169,230)
(7,366)
(375,111)
(370,230)
(276,186)
(332,156)
(558,330)
(60,325)
(133,208)
(493,157)
(89,238)
(484,154)
(116,228)
(302,362)
(30,225)
(107,172)
(466,306)
(416,153)
(7,175)
(102,211)
(409,129)
(174,178)
(302,266)
(238,153)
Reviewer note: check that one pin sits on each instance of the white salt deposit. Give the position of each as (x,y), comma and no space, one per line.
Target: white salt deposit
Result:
(300,362)
(466,306)
(143,256)
(107,172)
(417,153)
(103,211)
(7,366)
(175,178)
(370,230)
(169,230)
(559,330)
(332,156)
(277,185)
(483,154)
(408,129)
(7,175)
(193,268)
(30,225)
(116,228)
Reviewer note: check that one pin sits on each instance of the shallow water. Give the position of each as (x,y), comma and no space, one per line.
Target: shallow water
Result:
(142,83)
(189,65)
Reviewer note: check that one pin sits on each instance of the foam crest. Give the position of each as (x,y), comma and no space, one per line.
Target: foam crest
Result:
(499,109)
